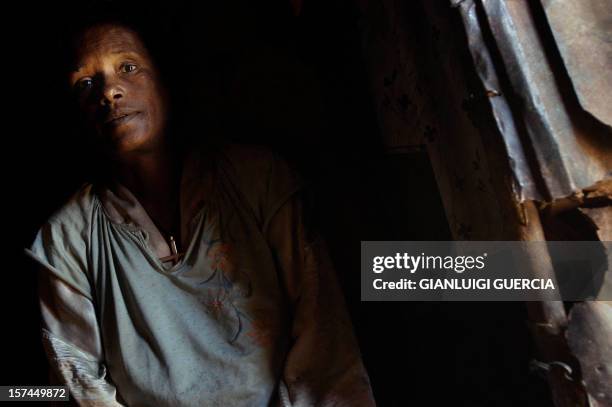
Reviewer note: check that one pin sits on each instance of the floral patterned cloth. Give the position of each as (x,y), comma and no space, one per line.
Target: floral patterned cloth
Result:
(251,315)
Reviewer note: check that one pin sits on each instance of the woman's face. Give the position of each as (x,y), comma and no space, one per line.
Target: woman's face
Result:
(118,89)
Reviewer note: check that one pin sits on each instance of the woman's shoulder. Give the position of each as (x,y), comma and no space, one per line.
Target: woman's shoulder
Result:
(265,178)
(62,243)
(70,225)
(255,164)
(77,210)
(239,160)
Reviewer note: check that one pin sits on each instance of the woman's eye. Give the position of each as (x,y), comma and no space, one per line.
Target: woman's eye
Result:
(127,68)
(83,84)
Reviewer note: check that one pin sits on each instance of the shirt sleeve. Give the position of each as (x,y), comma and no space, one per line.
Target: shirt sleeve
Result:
(61,250)
(72,342)
(324,366)
(70,331)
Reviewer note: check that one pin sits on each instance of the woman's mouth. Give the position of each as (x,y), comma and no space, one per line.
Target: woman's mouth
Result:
(120,119)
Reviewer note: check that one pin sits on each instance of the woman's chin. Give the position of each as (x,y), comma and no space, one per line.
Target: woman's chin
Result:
(130,142)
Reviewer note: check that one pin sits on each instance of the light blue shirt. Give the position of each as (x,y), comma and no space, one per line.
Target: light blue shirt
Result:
(233,323)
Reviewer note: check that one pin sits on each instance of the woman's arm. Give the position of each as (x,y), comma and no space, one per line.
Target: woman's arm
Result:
(72,342)
(324,366)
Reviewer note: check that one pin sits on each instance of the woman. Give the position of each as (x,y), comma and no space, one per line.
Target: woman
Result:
(184,279)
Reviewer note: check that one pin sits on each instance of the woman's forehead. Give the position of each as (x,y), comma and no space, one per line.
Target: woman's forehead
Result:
(109,39)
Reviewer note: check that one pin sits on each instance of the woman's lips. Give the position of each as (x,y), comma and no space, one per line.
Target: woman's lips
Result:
(120,119)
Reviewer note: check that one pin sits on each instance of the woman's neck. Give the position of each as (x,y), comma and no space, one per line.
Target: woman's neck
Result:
(154,178)
(148,175)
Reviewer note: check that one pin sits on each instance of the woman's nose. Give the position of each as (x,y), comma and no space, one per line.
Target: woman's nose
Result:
(111,93)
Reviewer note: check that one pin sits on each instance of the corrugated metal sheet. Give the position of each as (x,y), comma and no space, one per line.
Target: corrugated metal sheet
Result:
(552,152)
(583,32)
(588,335)
(523,176)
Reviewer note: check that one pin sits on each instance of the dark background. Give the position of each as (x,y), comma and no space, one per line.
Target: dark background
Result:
(298,84)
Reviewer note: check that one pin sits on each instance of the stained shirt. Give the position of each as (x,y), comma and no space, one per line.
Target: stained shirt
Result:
(250,315)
